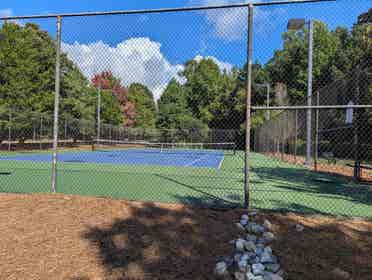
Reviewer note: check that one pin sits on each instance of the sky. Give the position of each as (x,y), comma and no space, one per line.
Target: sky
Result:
(152,48)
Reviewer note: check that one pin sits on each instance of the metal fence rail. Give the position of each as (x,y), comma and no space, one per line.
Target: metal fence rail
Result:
(219,82)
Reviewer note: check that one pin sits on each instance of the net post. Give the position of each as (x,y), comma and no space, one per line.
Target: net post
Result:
(248,108)
(56,105)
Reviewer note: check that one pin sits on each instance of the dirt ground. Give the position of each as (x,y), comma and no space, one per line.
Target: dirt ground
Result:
(80,238)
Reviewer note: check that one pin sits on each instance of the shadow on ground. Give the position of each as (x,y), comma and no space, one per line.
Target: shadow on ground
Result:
(325,245)
(154,242)
(163,243)
(285,182)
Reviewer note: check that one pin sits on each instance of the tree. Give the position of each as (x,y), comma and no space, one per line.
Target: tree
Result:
(116,108)
(142,99)
(111,112)
(204,85)
(173,111)
(27,78)
(289,65)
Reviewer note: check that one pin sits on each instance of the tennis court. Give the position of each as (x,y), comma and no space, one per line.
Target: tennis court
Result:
(201,177)
(181,158)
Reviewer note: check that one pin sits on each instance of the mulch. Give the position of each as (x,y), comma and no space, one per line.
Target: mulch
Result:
(83,238)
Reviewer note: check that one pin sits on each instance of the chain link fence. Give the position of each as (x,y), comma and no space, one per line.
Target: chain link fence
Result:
(153,112)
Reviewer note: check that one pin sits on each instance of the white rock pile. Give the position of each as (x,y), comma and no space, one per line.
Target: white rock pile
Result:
(253,258)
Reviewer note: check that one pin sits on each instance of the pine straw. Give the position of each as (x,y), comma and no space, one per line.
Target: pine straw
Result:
(80,238)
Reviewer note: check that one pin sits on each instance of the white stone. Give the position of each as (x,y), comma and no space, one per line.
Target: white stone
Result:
(229,261)
(266,258)
(240,227)
(243,222)
(245,257)
(258,269)
(252,213)
(260,241)
(245,217)
(259,251)
(268,225)
(251,237)
(242,265)
(250,246)
(268,237)
(249,276)
(271,276)
(239,245)
(299,228)
(239,276)
(341,274)
(272,267)
(254,260)
(255,228)
(221,268)
(237,257)
(268,250)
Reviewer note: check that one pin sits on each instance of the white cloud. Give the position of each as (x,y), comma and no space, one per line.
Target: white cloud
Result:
(231,24)
(6,12)
(228,24)
(224,66)
(134,60)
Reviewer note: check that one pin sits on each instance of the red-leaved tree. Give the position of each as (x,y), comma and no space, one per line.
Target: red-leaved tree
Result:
(106,81)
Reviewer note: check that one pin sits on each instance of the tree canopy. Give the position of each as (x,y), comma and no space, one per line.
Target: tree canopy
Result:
(203,96)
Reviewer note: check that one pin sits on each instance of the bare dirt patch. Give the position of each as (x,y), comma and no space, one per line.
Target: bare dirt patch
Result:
(70,237)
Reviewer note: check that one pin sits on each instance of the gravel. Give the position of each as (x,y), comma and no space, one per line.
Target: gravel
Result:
(254,258)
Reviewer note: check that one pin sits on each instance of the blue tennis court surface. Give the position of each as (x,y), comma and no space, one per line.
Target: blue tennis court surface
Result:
(181,158)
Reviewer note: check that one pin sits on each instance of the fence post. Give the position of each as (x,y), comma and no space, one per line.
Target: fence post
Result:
(65,129)
(56,105)
(316,144)
(10,130)
(248,108)
(295,140)
(41,133)
(99,112)
(309,95)
(357,157)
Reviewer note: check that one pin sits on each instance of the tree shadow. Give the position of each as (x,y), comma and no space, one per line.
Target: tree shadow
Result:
(286,181)
(282,207)
(324,245)
(154,242)
(210,197)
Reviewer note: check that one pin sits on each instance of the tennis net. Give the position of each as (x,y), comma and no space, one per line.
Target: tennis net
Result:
(228,148)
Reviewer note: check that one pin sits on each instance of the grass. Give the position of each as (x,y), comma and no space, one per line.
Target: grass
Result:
(275,185)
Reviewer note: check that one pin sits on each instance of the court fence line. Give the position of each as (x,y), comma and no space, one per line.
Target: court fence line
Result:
(280,137)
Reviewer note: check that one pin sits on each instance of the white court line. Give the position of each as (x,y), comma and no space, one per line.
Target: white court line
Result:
(195,161)
(219,166)
(203,157)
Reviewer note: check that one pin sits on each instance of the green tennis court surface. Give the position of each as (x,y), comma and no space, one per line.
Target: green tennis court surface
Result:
(275,185)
